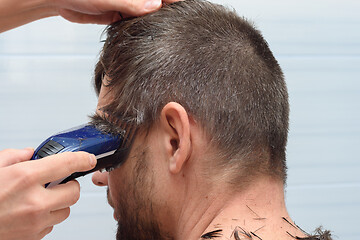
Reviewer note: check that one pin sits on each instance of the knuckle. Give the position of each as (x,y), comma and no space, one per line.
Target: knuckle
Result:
(75,161)
(24,176)
(33,215)
(38,209)
(67,157)
(36,227)
(36,213)
(72,192)
(75,192)
(69,160)
(134,6)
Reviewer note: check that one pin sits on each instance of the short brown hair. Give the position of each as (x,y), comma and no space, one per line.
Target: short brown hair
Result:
(212,62)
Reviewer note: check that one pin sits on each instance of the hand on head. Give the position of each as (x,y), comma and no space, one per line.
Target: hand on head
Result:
(14,13)
(105,12)
(27,209)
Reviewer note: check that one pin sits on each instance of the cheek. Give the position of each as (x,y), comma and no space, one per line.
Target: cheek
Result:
(114,186)
(118,183)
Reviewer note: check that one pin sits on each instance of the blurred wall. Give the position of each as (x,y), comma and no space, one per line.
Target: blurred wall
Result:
(46,69)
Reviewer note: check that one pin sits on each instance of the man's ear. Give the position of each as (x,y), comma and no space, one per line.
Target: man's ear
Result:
(176,125)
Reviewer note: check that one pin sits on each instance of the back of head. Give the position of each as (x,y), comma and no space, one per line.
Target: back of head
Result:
(217,66)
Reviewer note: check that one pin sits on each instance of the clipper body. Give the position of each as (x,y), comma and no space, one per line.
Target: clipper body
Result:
(84,138)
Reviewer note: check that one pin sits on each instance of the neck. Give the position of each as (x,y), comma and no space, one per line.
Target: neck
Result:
(258,212)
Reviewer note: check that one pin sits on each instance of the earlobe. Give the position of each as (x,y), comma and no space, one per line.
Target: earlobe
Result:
(175,121)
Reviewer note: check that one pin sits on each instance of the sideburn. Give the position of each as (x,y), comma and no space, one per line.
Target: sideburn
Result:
(137,218)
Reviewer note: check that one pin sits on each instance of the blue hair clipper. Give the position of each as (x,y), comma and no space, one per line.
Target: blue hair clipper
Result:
(104,146)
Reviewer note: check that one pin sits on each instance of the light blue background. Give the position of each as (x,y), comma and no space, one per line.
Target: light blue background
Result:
(46,70)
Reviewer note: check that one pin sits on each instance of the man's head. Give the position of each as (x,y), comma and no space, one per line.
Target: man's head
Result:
(204,92)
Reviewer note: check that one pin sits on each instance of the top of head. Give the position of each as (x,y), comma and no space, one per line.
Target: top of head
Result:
(212,62)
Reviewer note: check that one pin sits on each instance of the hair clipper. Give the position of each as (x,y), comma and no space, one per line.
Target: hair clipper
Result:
(104,146)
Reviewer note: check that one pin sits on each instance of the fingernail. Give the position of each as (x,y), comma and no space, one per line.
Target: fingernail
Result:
(152,4)
(92,160)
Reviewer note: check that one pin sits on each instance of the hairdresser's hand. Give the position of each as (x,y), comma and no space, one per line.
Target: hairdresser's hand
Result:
(105,12)
(28,211)
(14,13)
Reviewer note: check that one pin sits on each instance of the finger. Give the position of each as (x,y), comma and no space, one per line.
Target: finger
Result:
(60,165)
(45,232)
(127,7)
(78,17)
(133,7)
(59,216)
(171,1)
(63,196)
(11,156)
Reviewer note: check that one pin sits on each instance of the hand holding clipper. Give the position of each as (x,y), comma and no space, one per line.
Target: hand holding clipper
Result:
(106,147)
(26,208)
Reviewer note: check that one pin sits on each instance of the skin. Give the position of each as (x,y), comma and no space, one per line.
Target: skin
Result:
(29,211)
(177,195)
(14,13)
